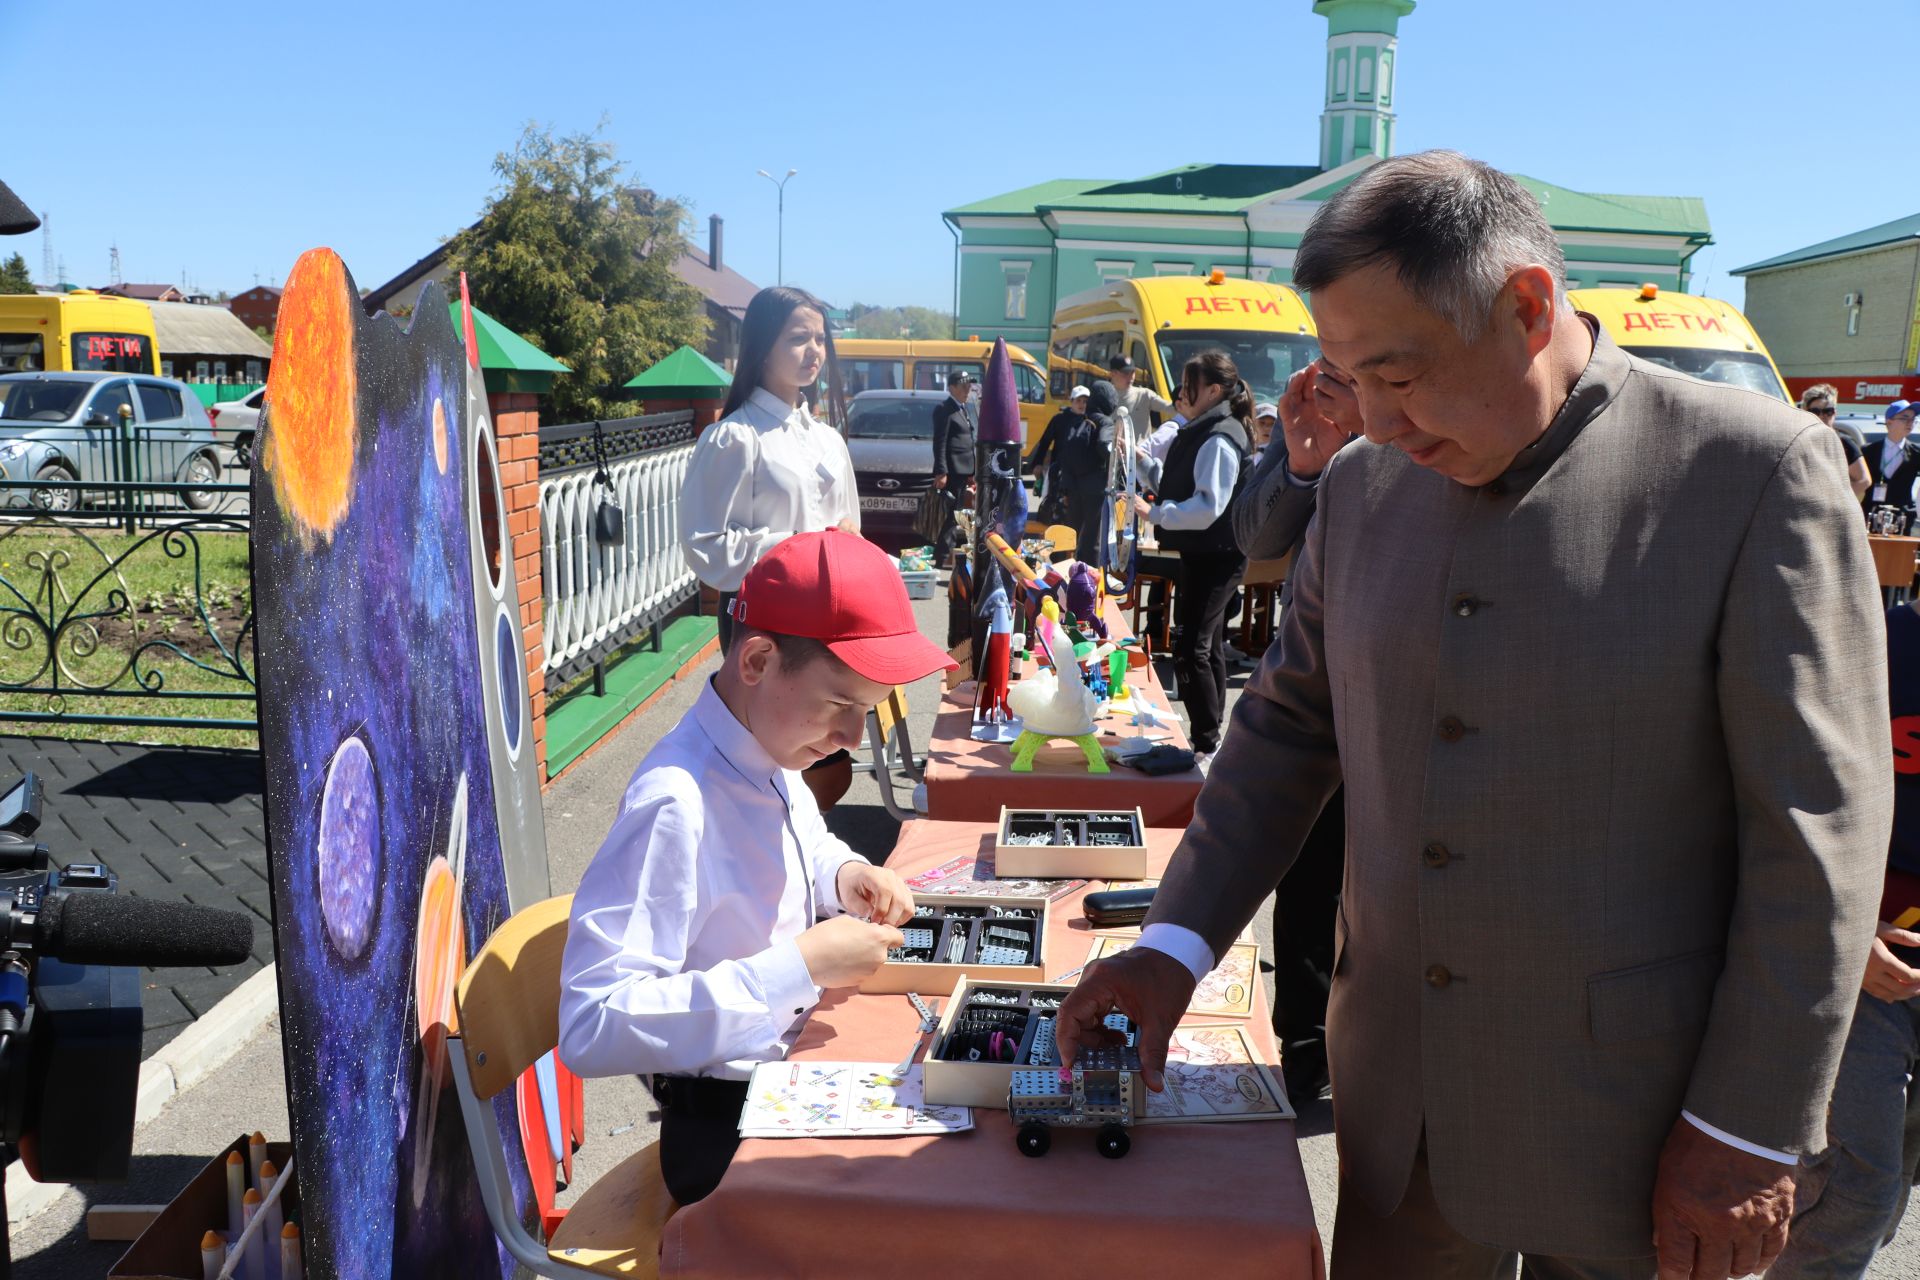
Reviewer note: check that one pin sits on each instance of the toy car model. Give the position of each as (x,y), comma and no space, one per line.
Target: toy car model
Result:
(1097,1092)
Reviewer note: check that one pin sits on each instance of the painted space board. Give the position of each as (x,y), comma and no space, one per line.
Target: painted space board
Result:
(383,824)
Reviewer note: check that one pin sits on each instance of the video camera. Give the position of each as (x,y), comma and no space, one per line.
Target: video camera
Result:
(71,951)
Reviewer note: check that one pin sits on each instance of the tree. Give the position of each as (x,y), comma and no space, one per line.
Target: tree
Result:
(14,277)
(581,264)
(888,322)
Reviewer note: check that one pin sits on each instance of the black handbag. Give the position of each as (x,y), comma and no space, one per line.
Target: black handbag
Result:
(935,513)
(609,522)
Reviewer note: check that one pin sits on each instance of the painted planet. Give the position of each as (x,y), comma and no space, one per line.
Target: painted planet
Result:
(310,392)
(439,950)
(440,435)
(349,848)
(507,649)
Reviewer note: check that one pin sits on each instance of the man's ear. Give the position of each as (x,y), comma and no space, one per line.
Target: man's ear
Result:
(756,657)
(1530,299)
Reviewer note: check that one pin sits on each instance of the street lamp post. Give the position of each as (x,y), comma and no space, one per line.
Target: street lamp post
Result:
(780,270)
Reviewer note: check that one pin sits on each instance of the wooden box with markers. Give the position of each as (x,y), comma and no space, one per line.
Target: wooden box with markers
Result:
(1071,844)
(954,935)
(171,1246)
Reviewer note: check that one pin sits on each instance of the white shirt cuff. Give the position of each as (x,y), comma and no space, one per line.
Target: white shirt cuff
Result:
(785,984)
(1738,1144)
(1297,482)
(1183,944)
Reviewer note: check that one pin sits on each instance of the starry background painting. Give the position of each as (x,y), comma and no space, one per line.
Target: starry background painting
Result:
(371,716)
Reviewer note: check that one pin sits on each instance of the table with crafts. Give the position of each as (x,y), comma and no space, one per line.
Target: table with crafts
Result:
(968,781)
(1216,1200)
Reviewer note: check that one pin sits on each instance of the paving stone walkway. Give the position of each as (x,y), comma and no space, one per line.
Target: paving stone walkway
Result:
(177,824)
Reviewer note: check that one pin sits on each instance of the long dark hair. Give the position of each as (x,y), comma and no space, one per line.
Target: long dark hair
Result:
(767,315)
(1216,368)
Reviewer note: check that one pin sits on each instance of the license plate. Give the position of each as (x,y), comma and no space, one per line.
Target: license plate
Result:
(885,502)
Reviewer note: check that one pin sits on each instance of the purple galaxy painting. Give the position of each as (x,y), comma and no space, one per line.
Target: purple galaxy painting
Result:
(385,850)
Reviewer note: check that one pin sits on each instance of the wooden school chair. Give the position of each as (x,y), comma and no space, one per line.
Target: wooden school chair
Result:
(508,1004)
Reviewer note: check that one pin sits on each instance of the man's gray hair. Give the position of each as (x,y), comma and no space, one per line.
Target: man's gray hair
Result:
(1454,229)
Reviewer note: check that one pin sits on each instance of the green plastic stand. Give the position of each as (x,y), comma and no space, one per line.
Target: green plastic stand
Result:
(1028,743)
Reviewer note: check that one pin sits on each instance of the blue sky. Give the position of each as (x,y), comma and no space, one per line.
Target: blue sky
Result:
(222,139)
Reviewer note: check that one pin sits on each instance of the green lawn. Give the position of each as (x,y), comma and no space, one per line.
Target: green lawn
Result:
(147,602)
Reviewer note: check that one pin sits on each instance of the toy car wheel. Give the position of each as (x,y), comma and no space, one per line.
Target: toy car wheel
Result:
(1033,1139)
(1113,1142)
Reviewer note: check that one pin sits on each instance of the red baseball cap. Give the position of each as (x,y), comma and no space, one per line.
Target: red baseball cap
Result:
(842,590)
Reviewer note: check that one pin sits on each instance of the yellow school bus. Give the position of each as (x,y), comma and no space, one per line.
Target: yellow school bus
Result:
(1165,321)
(76,331)
(900,364)
(1705,337)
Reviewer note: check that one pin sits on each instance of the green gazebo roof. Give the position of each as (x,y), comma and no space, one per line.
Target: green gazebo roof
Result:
(509,361)
(683,375)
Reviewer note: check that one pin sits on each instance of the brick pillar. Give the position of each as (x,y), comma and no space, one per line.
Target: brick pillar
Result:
(516,430)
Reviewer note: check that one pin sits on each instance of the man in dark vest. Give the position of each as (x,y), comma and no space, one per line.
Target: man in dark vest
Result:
(1204,469)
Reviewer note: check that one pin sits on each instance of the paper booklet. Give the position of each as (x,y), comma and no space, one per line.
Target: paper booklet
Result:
(975,876)
(1226,992)
(842,1100)
(1213,1077)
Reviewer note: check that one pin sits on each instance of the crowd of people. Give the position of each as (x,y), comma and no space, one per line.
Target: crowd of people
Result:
(1596,871)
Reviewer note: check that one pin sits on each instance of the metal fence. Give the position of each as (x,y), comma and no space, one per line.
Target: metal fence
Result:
(602,598)
(124,584)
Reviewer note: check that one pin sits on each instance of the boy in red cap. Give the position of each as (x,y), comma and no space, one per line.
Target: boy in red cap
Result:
(720,905)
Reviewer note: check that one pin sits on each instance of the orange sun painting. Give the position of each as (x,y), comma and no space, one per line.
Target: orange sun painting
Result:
(310,395)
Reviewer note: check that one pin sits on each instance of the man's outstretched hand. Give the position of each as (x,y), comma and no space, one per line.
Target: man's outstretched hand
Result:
(1717,1210)
(1149,986)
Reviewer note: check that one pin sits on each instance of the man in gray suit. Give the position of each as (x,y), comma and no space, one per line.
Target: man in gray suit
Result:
(1596,649)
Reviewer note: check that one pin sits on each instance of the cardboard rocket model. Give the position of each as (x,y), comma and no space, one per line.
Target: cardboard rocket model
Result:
(1002,496)
(990,704)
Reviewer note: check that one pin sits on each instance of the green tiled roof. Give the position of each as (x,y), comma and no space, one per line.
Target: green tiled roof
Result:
(1894,232)
(684,375)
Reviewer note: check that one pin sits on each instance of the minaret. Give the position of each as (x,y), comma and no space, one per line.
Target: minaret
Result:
(1361,49)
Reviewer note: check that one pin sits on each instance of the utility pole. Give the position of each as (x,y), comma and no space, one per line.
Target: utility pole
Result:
(47,275)
(780,270)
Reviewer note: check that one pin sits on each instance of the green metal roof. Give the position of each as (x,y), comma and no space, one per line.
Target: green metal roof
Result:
(683,375)
(502,348)
(1886,233)
(1024,201)
(1569,210)
(508,361)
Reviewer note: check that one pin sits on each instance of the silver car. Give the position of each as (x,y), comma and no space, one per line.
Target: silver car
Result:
(104,427)
(890,435)
(236,422)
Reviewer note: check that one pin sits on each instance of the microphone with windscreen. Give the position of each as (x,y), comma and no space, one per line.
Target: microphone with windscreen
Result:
(89,927)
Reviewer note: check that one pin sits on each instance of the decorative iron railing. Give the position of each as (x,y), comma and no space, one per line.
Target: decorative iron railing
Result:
(125,591)
(600,598)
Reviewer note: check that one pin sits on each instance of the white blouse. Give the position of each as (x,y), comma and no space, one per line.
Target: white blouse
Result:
(760,475)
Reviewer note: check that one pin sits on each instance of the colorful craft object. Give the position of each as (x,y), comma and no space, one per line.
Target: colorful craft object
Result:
(1001,433)
(1055,703)
(990,702)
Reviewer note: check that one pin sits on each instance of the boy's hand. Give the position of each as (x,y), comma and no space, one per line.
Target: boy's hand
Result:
(1888,977)
(874,892)
(841,951)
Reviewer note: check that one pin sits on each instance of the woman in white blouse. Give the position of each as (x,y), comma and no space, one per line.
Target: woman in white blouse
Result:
(768,469)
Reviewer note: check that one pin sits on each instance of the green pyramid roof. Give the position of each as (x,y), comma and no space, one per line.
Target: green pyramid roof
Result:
(683,375)
(508,361)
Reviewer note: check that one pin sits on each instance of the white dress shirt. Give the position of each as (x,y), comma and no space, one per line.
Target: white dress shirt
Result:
(760,475)
(680,956)
(1191,950)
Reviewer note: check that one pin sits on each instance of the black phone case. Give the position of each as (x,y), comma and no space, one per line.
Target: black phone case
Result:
(1115,907)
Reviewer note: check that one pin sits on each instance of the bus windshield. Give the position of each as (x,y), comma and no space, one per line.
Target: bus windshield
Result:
(1747,369)
(1265,360)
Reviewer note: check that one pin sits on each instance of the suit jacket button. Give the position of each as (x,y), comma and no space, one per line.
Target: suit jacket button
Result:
(1436,855)
(1437,975)
(1465,606)
(1451,730)
(1497,489)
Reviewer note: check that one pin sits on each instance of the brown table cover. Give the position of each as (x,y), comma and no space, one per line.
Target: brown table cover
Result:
(1219,1200)
(968,781)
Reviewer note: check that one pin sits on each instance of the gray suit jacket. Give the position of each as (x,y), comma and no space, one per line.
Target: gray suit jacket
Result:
(1271,512)
(1619,785)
